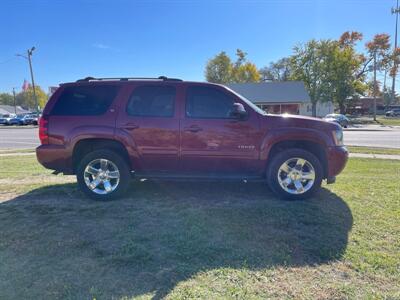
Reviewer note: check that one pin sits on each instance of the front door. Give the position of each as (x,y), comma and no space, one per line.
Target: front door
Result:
(149,118)
(212,141)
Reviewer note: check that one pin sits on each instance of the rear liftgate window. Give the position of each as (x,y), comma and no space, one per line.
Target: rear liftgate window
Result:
(85,100)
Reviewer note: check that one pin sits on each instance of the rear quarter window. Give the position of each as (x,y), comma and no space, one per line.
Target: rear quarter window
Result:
(84,100)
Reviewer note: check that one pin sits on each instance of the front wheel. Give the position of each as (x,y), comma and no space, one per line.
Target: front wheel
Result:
(103,175)
(294,174)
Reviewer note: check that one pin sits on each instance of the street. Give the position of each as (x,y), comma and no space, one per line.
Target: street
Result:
(24,137)
(382,138)
(18,137)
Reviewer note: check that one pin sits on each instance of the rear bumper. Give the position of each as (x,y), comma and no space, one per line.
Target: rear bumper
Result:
(55,157)
(337,159)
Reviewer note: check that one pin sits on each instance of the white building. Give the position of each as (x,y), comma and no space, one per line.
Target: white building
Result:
(281,97)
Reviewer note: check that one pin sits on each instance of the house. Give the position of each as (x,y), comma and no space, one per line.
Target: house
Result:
(280,97)
(9,109)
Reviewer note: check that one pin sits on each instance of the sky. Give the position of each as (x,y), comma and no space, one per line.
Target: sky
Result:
(120,38)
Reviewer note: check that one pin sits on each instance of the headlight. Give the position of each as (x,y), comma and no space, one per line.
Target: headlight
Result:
(338,137)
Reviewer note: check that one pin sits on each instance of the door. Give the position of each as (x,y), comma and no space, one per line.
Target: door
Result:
(212,141)
(149,118)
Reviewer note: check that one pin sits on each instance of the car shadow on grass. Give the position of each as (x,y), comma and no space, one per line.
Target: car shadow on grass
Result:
(55,243)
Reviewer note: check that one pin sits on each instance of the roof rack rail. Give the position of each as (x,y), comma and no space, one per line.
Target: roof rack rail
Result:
(163,78)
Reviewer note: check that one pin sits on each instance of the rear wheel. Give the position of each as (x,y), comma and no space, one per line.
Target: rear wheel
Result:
(294,174)
(103,175)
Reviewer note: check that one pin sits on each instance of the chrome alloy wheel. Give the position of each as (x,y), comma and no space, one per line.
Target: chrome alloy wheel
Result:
(101,176)
(296,176)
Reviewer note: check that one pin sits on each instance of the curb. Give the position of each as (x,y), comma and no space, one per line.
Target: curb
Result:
(365,129)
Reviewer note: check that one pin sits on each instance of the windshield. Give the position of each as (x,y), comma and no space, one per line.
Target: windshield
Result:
(248,102)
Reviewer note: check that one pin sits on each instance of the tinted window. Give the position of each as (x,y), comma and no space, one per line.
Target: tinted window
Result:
(85,100)
(152,101)
(206,102)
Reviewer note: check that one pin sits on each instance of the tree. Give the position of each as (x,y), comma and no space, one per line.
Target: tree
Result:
(277,71)
(310,64)
(243,70)
(345,75)
(221,69)
(378,50)
(6,99)
(27,100)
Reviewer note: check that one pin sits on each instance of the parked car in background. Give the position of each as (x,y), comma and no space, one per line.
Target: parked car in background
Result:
(17,120)
(106,131)
(22,119)
(5,119)
(393,113)
(34,118)
(342,120)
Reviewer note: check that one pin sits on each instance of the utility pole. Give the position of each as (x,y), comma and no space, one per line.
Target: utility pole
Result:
(29,58)
(395,11)
(375,85)
(15,103)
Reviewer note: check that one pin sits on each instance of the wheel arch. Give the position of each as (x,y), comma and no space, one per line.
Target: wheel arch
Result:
(85,146)
(313,147)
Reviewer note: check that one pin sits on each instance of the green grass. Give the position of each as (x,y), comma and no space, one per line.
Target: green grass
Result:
(373,150)
(380,120)
(199,240)
(11,151)
(389,121)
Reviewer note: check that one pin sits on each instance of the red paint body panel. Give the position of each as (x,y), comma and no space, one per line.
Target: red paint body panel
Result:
(153,141)
(170,145)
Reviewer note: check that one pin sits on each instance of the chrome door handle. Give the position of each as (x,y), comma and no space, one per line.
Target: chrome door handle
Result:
(130,126)
(193,128)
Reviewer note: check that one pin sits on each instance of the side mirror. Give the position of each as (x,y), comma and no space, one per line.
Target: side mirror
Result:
(238,111)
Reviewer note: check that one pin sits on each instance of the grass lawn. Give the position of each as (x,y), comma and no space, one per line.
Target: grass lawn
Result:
(372,150)
(382,120)
(199,240)
(389,121)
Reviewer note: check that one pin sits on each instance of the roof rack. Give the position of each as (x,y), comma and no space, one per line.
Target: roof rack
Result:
(163,78)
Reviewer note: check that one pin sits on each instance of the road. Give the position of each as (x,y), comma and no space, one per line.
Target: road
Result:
(18,137)
(381,138)
(21,138)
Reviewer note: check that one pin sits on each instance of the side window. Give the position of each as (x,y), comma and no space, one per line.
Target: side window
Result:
(208,103)
(152,101)
(84,100)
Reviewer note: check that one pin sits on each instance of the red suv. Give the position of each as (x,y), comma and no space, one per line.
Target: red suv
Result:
(106,130)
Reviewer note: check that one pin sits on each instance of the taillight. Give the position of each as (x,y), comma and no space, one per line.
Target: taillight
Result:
(44,130)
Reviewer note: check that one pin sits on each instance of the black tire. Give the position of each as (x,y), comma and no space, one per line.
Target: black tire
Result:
(277,161)
(118,161)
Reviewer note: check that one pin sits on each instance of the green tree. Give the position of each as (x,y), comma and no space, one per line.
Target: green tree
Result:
(310,64)
(345,70)
(219,69)
(27,100)
(277,71)
(6,99)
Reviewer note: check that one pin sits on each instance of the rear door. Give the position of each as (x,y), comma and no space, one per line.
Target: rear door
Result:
(149,121)
(213,142)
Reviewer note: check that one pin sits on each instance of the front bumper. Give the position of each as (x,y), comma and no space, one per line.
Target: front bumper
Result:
(337,159)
